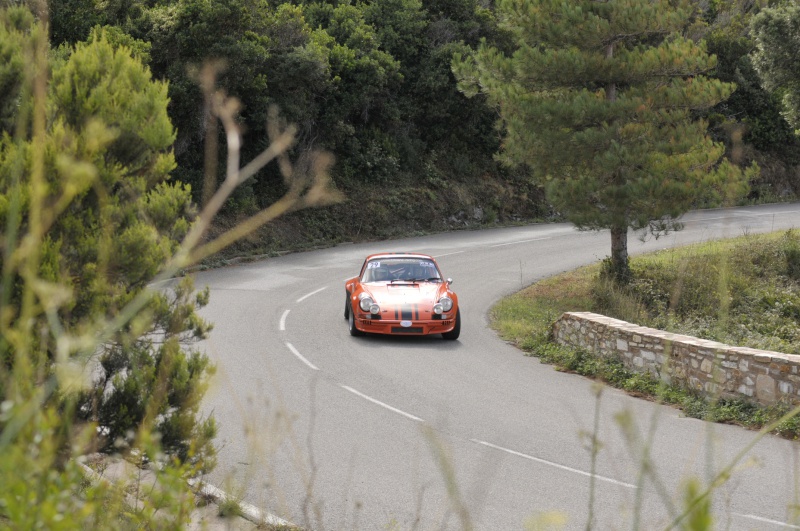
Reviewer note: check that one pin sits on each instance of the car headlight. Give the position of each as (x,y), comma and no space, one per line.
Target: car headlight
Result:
(365,302)
(438,309)
(374,309)
(447,304)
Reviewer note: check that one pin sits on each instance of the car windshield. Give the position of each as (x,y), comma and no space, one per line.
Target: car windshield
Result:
(401,269)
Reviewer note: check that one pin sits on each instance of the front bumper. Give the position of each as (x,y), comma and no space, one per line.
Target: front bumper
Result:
(415,327)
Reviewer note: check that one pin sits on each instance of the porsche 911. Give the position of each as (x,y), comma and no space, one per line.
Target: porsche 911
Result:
(401,294)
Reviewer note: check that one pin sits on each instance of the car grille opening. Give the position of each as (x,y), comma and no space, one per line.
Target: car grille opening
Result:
(407,330)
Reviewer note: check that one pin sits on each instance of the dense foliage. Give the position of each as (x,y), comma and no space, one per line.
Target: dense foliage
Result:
(777,55)
(368,81)
(750,121)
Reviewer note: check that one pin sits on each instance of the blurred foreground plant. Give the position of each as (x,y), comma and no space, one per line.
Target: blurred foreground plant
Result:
(91,358)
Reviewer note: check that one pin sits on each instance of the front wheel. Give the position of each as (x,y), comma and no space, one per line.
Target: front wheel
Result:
(456,331)
(346,305)
(351,325)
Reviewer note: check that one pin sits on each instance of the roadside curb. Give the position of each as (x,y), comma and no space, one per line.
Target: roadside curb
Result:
(119,469)
(249,512)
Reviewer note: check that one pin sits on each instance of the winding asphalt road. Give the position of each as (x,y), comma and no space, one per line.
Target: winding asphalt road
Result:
(338,433)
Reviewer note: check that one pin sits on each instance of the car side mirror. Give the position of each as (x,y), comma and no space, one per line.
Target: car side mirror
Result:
(449,280)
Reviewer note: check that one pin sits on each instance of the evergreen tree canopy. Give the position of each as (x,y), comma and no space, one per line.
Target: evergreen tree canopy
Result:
(597,102)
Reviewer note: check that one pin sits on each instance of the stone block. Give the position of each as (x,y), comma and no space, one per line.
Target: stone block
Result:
(766,389)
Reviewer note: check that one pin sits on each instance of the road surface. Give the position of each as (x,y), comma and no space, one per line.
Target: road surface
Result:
(334,432)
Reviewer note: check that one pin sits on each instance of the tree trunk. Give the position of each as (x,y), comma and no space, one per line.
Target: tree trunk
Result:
(619,235)
(619,255)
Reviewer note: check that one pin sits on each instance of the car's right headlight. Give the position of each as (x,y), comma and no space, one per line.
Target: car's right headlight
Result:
(447,303)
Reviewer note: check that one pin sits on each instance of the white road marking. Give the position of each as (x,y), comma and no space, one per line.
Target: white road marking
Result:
(515,243)
(378,402)
(768,521)
(738,213)
(702,220)
(778,213)
(300,356)
(556,465)
(448,254)
(282,325)
(304,297)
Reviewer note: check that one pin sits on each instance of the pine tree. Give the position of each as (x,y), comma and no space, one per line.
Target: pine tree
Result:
(598,101)
(88,217)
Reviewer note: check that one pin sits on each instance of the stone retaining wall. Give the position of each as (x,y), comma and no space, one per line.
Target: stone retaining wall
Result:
(706,366)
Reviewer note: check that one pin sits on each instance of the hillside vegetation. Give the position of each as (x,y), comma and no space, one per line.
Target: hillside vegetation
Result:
(371,82)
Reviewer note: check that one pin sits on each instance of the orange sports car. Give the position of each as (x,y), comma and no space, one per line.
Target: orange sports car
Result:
(401,293)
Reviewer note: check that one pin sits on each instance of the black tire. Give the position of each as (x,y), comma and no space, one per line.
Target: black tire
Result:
(351,325)
(346,305)
(456,331)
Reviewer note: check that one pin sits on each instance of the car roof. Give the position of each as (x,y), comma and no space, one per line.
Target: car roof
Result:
(399,255)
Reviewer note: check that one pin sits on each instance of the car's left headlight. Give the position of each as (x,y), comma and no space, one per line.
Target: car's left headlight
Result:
(447,303)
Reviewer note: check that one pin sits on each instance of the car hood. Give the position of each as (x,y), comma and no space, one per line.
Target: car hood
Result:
(400,294)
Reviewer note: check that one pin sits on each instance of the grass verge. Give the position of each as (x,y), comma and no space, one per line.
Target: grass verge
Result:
(744,291)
